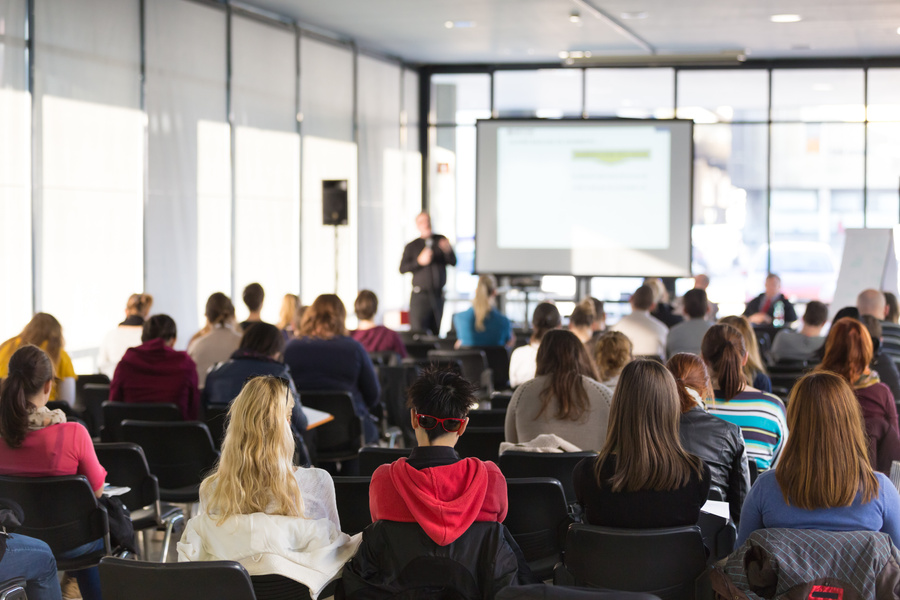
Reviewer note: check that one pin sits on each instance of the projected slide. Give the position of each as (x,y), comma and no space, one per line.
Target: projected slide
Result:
(606,187)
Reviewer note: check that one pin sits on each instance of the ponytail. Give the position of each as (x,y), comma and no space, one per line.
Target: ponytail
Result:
(546,318)
(723,350)
(29,371)
(487,285)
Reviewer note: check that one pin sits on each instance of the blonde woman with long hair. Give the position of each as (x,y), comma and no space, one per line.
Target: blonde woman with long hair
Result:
(483,324)
(824,479)
(643,477)
(289,305)
(257,508)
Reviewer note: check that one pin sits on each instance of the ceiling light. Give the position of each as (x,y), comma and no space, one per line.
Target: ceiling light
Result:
(563,55)
(638,14)
(459,24)
(448,24)
(898,31)
(575,16)
(786,18)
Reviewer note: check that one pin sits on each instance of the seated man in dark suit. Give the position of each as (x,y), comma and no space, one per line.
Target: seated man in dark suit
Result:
(761,310)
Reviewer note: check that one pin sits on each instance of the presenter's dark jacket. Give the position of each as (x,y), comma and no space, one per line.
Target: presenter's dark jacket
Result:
(642,509)
(721,446)
(754,306)
(431,277)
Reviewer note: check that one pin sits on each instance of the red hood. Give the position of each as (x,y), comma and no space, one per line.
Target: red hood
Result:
(154,357)
(443,500)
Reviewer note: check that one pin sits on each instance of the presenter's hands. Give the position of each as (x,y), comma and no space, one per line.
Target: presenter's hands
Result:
(759,318)
(425,257)
(444,245)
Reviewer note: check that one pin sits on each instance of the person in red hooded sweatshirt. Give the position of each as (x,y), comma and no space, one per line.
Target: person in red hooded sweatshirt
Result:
(155,372)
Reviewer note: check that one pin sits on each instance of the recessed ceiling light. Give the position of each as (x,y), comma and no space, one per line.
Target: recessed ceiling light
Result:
(563,55)
(448,24)
(787,18)
(638,14)
(575,17)
(459,24)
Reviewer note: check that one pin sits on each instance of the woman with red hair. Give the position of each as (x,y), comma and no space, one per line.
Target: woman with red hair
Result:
(848,352)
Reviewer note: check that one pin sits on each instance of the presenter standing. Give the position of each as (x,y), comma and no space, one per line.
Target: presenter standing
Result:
(427,258)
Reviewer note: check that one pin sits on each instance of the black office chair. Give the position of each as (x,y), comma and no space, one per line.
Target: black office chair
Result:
(419,349)
(385,358)
(82,381)
(540,591)
(216,417)
(63,512)
(487,417)
(785,373)
(413,335)
(126,466)
(338,440)
(666,562)
(137,580)
(395,381)
(372,457)
(500,400)
(559,466)
(180,455)
(352,497)
(498,363)
(538,518)
(93,395)
(279,587)
(116,412)
(719,536)
(13,589)
(481,442)
(474,367)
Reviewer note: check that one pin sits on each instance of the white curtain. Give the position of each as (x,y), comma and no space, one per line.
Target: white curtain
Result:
(189,202)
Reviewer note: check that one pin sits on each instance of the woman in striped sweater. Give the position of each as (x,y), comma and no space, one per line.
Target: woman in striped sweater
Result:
(761,416)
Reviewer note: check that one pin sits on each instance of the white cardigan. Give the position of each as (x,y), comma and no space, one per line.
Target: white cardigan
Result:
(311,549)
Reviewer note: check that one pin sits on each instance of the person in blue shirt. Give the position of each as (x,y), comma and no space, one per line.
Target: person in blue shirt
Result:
(482,324)
(823,480)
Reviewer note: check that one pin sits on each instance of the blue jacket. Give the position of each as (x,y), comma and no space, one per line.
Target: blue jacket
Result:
(226,380)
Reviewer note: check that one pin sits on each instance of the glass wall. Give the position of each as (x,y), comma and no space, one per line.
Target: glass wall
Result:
(785,160)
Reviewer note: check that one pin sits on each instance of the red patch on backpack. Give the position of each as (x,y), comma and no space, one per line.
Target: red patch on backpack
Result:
(822,592)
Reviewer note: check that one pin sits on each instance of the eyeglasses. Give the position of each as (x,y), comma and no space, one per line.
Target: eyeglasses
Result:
(450,424)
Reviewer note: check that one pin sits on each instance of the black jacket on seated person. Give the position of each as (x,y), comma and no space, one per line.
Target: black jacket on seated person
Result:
(399,560)
(721,446)
(887,372)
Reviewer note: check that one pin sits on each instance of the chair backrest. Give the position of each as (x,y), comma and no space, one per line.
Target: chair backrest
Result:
(540,591)
(126,466)
(538,518)
(180,454)
(215,417)
(501,400)
(559,466)
(341,438)
(116,412)
(413,335)
(481,442)
(384,358)
(419,349)
(474,362)
(13,589)
(279,587)
(665,562)
(395,382)
(84,380)
(61,511)
(122,579)
(495,417)
(372,457)
(352,497)
(719,535)
(93,395)
(498,363)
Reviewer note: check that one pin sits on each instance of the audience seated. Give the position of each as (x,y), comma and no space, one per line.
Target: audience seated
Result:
(717,442)
(873,303)
(755,367)
(564,398)
(891,324)
(701,282)
(647,333)
(687,335)
(253,296)
(848,352)
(289,305)
(32,559)
(260,353)
(824,479)
(802,345)
(662,308)
(761,416)
(581,321)
(761,310)
(635,483)
(374,338)
(38,442)
(523,361)
(881,363)
(45,332)
(217,340)
(257,508)
(324,358)
(156,372)
(126,335)
(482,324)
(611,353)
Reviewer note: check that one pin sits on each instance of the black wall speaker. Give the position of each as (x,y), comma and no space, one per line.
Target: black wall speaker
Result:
(334,202)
